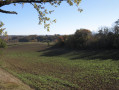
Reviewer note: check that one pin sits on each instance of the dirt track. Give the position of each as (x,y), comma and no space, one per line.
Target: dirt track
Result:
(9,82)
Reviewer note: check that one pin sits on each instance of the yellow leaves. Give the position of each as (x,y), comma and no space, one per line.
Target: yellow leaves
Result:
(43,18)
(40,7)
(78,2)
(75,1)
(1,24)
(51,11)
(46,11)
(47,26)
(80,10)
(48,29)
(55,5)
(54,21)
(5,33)
(44,21)
(35,5)
(2,30)
(46,18)
(70,2)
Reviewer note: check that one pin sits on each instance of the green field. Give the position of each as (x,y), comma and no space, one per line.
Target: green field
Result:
(46,68)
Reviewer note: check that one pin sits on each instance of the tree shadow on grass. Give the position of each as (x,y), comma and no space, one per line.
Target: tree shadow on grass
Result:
(82,54)
(53,51)
(97,54)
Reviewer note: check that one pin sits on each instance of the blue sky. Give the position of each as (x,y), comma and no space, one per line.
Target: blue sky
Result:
(96,13)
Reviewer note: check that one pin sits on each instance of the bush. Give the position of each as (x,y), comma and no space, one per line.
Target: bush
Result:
(61,41)
(81,37)
(78,40)
(2,44)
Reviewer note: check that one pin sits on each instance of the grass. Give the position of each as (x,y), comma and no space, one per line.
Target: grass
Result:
(45,68)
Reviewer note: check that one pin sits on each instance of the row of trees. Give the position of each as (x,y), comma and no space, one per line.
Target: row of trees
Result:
(106,38)
(33,38)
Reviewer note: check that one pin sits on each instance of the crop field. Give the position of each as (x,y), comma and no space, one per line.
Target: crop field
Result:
(46,68)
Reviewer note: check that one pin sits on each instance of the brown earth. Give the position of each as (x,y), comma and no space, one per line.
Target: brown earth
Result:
(9,82)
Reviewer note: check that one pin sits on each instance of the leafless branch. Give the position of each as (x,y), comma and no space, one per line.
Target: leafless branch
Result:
(8,12)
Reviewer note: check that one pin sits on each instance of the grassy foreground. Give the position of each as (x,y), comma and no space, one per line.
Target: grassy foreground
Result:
(46,68)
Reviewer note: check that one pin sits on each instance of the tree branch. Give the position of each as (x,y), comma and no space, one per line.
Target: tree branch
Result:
(7,2)
(8,12)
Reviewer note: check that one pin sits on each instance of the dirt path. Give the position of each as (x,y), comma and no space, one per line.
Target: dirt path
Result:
(9,82)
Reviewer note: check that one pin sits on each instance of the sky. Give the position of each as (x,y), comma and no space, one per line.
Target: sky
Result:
(96,13)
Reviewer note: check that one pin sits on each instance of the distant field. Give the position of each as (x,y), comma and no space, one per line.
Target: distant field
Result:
(45,68)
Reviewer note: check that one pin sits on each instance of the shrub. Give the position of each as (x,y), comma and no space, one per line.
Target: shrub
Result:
(61,41)
(81,37)
(77,40)
(2,44)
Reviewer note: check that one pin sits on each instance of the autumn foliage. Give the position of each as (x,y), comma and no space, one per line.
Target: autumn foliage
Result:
(106,38)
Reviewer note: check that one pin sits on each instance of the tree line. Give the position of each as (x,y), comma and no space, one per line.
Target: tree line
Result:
(33,38)
(106,38)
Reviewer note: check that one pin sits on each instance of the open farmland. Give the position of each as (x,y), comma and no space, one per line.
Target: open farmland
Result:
(46,68)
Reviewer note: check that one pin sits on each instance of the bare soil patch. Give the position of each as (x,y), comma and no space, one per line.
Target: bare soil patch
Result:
(9,82)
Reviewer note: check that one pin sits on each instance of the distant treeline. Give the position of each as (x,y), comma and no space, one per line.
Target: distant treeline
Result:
(33,38)
(106,38)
